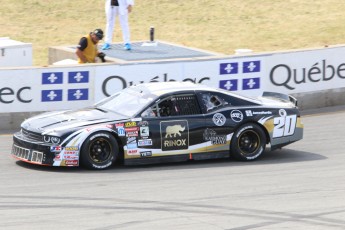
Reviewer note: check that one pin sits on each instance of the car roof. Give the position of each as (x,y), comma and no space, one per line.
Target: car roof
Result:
(160,88)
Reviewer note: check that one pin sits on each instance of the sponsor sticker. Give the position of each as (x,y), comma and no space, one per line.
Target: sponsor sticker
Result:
(249,113)
(110,126)
(71,148)
(130,124)
(175,135)
(55,149)
(236,115)
(219,119)
(70,153)
(121,131)
(262,112)
(132,129)
(132,143)
(71,162)
(144,131)
(132,134)
(145,142)
(131,139)
(119,125)
(143,123)
(146,154)
(211,135)
(71,157)
(132,152)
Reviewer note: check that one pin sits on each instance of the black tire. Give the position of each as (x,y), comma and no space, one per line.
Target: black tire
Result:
(248,142)
(99,151)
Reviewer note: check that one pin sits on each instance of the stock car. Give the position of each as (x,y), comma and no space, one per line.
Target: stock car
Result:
(160,122)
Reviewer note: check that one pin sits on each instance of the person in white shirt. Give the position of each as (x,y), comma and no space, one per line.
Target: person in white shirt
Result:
(114,8)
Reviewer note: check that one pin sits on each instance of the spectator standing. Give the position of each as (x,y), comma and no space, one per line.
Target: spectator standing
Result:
(120,8)
(87,48)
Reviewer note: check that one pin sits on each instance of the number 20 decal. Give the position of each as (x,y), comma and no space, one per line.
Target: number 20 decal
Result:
(284,126)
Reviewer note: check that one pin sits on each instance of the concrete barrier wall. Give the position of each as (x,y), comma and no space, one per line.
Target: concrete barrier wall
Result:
(316,77)
(59,53)
(306,101)
(321,99)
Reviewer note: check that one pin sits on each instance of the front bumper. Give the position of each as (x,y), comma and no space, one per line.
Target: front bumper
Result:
(31,152)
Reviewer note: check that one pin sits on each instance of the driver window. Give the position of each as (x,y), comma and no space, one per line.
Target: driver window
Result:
(150,112)
(166,108)
(176,105)
(212,101)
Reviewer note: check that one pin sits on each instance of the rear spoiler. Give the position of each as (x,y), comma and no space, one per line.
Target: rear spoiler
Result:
(281,96)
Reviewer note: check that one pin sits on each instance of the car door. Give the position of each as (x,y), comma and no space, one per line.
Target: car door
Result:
(218,125)
(176,126)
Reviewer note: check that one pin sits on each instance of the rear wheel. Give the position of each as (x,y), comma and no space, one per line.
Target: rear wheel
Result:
(99,151)
(248,142)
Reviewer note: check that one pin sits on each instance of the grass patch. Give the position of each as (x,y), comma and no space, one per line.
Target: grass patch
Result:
(214,25)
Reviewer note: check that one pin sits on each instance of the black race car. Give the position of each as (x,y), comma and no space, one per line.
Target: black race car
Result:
(160,122)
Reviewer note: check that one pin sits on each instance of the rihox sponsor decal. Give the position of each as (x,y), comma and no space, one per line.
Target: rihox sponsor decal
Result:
(174,135)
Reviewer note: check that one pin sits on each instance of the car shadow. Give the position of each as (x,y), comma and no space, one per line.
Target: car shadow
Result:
(281,156)
(49,168)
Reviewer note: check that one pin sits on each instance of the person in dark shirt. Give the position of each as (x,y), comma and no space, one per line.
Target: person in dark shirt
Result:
(87,48)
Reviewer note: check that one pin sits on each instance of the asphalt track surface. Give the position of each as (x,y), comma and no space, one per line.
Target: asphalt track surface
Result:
(299,187)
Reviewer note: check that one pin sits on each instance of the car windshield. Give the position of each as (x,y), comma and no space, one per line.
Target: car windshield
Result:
(127,102)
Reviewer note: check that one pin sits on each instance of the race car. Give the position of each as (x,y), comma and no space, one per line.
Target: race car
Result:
(160,122)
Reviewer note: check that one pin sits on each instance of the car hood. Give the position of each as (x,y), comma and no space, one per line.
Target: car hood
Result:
(68,120)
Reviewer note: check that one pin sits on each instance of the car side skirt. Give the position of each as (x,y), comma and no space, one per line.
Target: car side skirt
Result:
(177,158)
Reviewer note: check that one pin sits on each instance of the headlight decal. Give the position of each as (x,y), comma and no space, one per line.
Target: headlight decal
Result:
(51,139)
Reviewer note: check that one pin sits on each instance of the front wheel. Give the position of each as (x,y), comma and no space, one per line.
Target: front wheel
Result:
(99,151)
(248,142)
